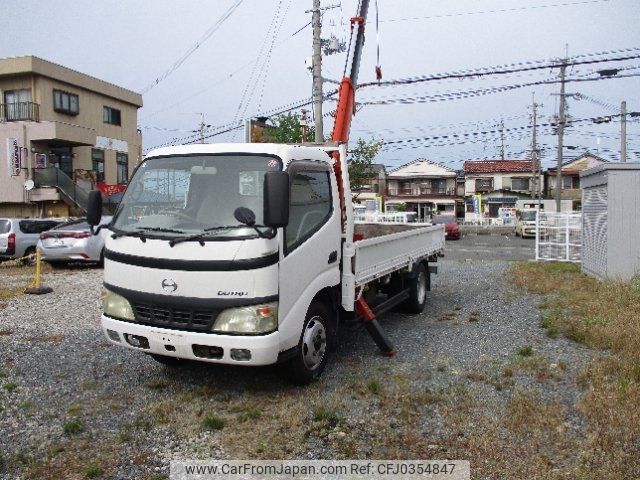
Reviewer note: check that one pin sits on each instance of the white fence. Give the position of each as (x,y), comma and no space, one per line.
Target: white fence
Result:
(559,236)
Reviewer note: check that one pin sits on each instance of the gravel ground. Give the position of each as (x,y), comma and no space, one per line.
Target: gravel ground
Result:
(58,369)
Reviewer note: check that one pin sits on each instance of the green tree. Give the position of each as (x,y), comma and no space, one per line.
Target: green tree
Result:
(361,162)
(287,129)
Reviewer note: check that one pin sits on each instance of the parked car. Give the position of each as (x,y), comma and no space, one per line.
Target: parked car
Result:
(526,223)
(451,228)
(19,236)
(72,242)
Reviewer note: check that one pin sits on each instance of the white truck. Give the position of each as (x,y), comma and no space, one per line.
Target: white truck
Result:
(238,254)
(248,254)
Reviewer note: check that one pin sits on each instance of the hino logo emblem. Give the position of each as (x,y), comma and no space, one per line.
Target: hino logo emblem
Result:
(169,285)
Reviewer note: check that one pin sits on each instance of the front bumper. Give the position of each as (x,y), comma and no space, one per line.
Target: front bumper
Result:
(174,343)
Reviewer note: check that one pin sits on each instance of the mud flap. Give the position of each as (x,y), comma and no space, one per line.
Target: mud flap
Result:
(374,329)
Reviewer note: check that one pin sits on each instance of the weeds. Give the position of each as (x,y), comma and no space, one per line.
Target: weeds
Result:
(212,422)
(374,386)
(525,351)
(72,427)
(9,386)
(603,315)
(93,470)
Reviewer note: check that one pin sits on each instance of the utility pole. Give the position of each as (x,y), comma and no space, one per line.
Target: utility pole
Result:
(202,128)
(561,122)
(317,72)
(623,128)
(502,139)
(303,124)
(535,164)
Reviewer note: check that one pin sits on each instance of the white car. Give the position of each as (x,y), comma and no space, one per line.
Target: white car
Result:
(72,242)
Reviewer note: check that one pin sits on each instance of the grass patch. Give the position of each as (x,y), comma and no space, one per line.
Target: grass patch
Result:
(212,422)
(525,351)
(602,315)
(92,470)
(26,405)
(9,386)
(374,386)
(323,414)
(72,427)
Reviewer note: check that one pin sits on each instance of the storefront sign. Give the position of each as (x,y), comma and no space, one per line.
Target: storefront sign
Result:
(108,189)
(13,154)
(106,143)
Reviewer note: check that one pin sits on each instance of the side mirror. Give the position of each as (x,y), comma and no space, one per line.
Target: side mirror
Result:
(276,199)
(94,208)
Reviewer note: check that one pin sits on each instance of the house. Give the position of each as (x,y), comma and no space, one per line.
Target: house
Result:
(424,187)
(495,184)
(63,133)
(570,171)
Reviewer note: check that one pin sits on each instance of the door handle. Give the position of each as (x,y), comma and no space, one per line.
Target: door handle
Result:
(333,257)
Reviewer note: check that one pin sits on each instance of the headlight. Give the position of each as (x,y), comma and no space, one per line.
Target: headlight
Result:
(117,306)
(253,319)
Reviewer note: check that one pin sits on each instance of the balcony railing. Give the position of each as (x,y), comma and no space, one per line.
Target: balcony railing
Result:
(13,112)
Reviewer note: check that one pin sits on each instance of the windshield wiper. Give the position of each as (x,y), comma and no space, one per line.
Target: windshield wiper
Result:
(201,235)
(141,235)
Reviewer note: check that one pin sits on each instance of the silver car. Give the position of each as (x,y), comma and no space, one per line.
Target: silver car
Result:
(19,236)
(73,242)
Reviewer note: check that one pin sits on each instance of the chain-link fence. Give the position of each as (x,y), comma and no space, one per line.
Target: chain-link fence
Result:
(559,236)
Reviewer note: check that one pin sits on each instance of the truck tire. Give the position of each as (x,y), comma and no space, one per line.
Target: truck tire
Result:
(418,287)
(313,347)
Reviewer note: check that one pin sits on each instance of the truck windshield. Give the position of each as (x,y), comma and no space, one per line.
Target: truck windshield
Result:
(181,196)
(529,216)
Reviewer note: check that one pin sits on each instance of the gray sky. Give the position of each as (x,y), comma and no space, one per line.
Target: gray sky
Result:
(131,43)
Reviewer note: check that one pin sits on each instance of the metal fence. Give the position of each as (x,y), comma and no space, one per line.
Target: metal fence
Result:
(559,236)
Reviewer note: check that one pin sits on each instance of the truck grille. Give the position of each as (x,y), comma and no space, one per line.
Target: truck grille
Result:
(171,317)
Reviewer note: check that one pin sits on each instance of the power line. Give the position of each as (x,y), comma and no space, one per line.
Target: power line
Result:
(482,12)
(207,35)
(497,70)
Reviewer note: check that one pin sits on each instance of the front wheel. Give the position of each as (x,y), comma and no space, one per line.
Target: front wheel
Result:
(311,357)
(418,290)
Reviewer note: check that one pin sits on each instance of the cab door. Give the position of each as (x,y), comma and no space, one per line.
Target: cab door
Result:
(311,244)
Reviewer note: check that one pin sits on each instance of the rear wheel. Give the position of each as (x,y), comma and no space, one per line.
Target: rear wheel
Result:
(418,287)
(29,257)
(311,357)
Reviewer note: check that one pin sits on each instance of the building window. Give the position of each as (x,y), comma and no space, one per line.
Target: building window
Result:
(519,184)
(17,104)
(65,102)
(439,185)
(484,184)
(122,163)
(111,115)
(97,161)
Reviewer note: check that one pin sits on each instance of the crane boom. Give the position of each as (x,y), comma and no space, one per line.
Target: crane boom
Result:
(346,93)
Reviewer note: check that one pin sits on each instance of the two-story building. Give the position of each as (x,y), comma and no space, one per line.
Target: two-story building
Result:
(63,133)
(498,184)
(424,187)
(570,172)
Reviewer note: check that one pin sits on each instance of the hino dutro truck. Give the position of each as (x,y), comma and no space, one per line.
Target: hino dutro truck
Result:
(248,254)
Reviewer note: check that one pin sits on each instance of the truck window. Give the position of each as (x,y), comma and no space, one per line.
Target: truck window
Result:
(310,207)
